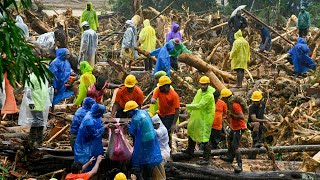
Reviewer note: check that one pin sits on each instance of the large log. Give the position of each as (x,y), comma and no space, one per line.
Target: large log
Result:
(172,73)
(210,70)
(276,149)
(286,33)
(222,174)
(36,24)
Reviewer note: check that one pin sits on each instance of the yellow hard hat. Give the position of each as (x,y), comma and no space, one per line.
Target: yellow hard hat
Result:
(225,93)
(256,96)
(130,105)
(204,80)
(130,81)
(164,80)
(120,176)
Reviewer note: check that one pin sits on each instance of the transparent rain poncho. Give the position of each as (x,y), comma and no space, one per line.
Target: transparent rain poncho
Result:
(39,95)
(88,47)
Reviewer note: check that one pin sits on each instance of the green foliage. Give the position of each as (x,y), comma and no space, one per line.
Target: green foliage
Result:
(19,61)
(123,7)
(5,170)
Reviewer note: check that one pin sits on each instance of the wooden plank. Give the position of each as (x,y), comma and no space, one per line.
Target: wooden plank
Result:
(58,133)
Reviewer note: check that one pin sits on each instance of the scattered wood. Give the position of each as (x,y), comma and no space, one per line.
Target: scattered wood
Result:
(56,135)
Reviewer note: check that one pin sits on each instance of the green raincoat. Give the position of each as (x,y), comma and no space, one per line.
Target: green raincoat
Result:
(86,80)
(178,49)
(240,53)
(202,111)
(91,17)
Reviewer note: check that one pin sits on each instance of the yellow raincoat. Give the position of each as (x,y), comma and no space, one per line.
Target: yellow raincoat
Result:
(240,53)
(202,111)
(147,37)
(91,17)
(86,80)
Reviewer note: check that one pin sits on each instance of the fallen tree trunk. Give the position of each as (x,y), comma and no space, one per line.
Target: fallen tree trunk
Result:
(36,24)
(221,174)
(276,149)
(172,73)
(286,33)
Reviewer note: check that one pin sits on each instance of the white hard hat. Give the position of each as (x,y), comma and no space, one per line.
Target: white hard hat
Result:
(84,23)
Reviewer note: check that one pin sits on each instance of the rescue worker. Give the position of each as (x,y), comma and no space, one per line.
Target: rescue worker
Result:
(86,80)
(240,56)
(304,22)
(221,113)
(89,42)
(299,57)
(61,69)
(146,155)
(266,42)
(34,109)
(168,104)
(237,125)
(202,110)
(174,33)
(256,120)
(128,92)
(89,139)
(129,42)
(163,137)
(78,117)
(148,41)
(90,15)
(60,39)
(163,58)
(97,90)
(178,49)
(153,108)
(235,24)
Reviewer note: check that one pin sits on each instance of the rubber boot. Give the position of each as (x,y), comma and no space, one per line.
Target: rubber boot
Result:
(206,154)
(238,168)
(40,135)
(229,157)
(190,150)
(33,135)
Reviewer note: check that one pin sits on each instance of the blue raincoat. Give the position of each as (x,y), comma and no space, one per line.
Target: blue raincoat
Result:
(146,149)
(80,114)
(163,58)
(300,59)
(89,138)
(61,70)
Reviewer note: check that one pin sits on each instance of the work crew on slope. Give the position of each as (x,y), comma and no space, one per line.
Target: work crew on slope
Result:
(202,111)
(168,104)
(266,40)
(237,125)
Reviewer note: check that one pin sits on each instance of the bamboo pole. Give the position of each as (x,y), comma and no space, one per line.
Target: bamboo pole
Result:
(255,18)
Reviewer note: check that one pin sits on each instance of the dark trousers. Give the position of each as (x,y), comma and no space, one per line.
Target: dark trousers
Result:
(144,172)
(233,145)
(215,138)
(206,148)
(36,130)
(167,122)
(148,64)
(174,63)
(72,141)
(303,32)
